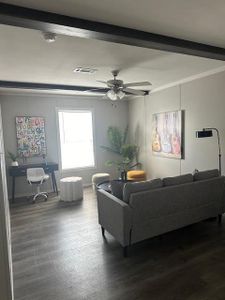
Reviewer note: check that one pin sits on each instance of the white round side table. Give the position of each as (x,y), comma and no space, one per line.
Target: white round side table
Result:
(71,189)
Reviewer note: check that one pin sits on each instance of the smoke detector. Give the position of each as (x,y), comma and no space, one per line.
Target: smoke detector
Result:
(85,70)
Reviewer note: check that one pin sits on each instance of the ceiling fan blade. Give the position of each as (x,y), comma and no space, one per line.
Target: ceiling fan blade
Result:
(106,82)
(134,92)
(138,83)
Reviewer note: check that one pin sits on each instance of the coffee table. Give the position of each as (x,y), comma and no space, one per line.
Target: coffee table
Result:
(105,185)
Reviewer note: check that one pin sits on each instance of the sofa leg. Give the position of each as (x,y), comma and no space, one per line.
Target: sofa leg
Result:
(219,219)
(125,251)
(103,231)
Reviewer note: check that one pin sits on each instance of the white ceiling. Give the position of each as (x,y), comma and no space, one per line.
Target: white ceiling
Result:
(197,20)
(26,56)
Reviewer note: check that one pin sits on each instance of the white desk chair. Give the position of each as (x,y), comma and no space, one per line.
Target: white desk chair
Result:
(37,176)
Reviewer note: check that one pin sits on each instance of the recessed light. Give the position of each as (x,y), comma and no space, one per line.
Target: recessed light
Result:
(85,70)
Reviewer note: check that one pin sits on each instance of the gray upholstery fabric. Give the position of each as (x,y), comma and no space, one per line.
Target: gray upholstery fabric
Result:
(117,188)
(206,174)
(157,211)
(173,207)
(115,216)
(134,187)
(168,181)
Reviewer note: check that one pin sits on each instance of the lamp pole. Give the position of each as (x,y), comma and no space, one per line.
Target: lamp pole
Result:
(219,145)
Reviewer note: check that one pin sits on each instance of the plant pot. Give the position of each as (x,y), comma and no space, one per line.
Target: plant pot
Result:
(14,164)
(123,175)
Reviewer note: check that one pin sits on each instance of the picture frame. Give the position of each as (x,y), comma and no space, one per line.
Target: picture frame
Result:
(168,134)
(31,139)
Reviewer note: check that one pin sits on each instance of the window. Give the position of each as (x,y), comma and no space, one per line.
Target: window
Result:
(76,138)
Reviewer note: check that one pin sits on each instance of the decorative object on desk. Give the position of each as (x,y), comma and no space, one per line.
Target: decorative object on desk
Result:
(208,132)
(167,134)
(13,157)
(118,145)
(30,132)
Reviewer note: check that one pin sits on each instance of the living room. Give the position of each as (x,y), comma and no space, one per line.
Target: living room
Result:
(58,251)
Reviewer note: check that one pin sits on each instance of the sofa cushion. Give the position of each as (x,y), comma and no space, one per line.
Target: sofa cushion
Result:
(134,187)
(117,188)
(168,181)
(206,174)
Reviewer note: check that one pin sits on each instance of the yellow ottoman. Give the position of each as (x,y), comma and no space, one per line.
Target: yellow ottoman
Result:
(136,175)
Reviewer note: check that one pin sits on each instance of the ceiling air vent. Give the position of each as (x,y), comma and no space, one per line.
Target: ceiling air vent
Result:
(85,70)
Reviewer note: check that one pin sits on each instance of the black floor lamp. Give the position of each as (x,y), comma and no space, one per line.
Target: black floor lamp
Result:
(208,132)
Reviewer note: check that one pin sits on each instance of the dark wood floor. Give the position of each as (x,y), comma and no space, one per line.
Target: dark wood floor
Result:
(59,254)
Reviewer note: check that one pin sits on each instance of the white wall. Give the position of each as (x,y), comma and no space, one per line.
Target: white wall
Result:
(6,279)
(203,101)
(40,105)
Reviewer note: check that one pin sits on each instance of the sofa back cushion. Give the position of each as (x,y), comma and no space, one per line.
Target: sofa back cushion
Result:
(206,174)
(165,209)
(117,188)
(187,178)
(134,187)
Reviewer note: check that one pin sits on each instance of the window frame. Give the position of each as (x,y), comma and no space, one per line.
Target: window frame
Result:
(71,109)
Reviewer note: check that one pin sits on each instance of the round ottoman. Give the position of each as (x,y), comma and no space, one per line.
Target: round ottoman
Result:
(71,189)
(98,178)
(136,175)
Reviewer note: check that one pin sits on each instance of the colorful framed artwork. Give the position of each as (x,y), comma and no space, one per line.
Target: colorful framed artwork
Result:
(167,134)
(30,133)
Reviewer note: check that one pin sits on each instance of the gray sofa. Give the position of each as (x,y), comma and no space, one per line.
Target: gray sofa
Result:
(155,207)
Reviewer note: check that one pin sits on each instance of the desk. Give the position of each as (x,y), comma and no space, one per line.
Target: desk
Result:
(19,171)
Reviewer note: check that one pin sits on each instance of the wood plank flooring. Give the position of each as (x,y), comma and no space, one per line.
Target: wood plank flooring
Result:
(59,254)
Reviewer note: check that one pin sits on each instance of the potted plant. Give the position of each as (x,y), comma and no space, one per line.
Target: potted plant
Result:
(127,153)
(13,157)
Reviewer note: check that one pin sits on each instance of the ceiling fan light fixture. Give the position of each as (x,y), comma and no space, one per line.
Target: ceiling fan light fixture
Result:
(117,89)
(112,95)
(115,95)
(121,94)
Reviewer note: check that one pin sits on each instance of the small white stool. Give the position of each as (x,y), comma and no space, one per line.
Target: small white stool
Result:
(98,178)
(71,189)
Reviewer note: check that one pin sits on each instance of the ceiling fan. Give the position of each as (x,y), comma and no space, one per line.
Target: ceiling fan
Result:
(118,89)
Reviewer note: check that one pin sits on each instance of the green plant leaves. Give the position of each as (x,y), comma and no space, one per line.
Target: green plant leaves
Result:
(12,156)
(110,149)
(117,144)
(115,138)
(129,151)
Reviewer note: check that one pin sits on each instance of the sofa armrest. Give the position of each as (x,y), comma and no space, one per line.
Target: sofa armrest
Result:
(114,215)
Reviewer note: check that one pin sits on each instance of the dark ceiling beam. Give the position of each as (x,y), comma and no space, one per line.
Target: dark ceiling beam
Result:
(49,87)
(55,87)
(65,25)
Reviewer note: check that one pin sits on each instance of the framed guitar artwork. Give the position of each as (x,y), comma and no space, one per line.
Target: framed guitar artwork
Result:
(167,134)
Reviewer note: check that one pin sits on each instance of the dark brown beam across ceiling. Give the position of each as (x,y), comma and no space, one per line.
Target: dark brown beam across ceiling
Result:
(54,87)
(48,86)
(65,25)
